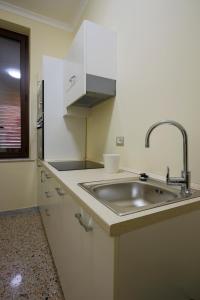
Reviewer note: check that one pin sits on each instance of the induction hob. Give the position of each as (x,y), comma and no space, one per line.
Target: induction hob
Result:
(75,165)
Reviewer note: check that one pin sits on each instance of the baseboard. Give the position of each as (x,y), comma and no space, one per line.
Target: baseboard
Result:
(18,211)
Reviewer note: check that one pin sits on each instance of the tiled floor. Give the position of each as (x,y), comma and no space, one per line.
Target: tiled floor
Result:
(26,267)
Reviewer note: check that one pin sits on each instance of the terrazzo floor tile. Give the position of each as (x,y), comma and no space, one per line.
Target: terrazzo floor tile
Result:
(27,270)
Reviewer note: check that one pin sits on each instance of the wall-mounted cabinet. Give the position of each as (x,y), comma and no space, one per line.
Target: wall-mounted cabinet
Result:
(64,138)
(90,67)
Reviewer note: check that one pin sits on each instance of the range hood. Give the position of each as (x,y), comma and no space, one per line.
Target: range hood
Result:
(98,89)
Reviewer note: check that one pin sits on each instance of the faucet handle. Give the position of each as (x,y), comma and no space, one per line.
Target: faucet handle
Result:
(168,176)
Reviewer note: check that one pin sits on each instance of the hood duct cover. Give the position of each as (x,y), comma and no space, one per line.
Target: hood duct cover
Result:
(98,89)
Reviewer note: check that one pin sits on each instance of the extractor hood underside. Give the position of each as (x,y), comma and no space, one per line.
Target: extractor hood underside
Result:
(98,89)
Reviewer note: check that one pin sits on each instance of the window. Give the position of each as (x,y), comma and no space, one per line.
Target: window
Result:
(14,107)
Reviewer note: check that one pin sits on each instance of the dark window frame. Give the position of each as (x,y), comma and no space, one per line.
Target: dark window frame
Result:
(23,152)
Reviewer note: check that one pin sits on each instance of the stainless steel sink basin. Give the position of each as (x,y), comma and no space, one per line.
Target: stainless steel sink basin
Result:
(132,195)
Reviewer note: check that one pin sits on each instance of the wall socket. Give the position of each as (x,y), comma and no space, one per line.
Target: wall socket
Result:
(120,141)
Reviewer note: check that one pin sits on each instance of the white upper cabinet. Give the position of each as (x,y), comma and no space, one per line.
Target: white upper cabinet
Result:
(100,46)
(63,138)
(90,66)
(74,70)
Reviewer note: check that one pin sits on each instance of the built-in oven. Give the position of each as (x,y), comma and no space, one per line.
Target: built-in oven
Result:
(40,120)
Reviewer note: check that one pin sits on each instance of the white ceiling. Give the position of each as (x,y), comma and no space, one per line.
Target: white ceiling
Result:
(60,13)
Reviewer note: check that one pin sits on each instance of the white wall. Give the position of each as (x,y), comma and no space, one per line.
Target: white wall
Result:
(158,78)
(17,185)
(18,178)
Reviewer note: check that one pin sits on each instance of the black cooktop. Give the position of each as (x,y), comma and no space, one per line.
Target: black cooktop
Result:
(75,165)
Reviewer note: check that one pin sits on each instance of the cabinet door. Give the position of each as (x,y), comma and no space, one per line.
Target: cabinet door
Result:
(74,70)
(46,200)
(43,193)
(101,54)
(40,179)
(54,232)
(84,259)
(87,259)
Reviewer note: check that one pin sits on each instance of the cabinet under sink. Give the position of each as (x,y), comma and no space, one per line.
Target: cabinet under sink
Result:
(160,251)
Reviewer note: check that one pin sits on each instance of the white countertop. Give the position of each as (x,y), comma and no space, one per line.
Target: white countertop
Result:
(111,222)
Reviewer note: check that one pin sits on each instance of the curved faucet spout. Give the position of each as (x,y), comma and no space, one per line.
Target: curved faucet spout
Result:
(184,180)
(184,134)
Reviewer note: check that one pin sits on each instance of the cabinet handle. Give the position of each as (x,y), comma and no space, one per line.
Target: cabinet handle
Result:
(60,192)
(42,177)
(87,227)
(47,212)
(48,194)
(47,176)
(72,79)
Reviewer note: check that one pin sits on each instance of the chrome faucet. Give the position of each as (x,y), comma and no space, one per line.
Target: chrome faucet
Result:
(184,180)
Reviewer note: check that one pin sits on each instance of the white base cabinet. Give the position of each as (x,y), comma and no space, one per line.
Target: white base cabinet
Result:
(157,260)
(84,260)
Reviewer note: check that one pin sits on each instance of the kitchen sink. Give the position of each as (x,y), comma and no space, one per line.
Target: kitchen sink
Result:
(132,195)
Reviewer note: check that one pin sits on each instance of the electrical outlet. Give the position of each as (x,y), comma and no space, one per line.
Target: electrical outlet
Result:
(120,141)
